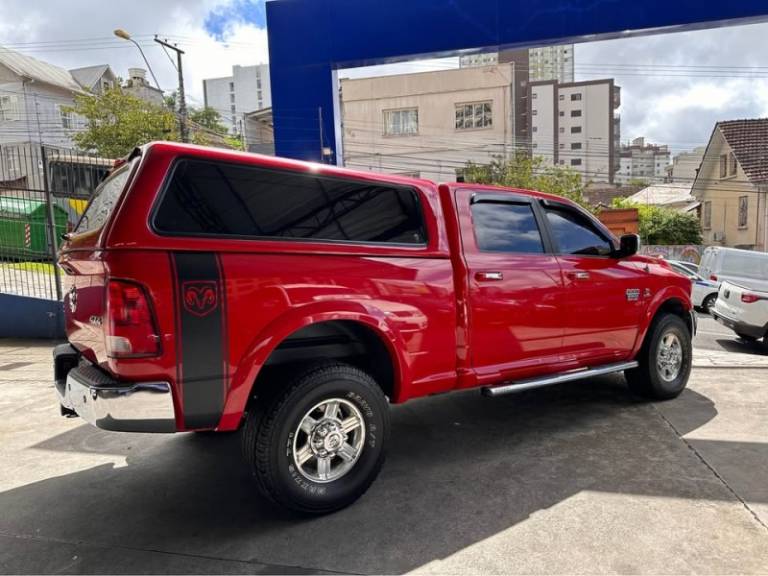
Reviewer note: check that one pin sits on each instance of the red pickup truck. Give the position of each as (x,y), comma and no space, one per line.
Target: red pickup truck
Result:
(211,290)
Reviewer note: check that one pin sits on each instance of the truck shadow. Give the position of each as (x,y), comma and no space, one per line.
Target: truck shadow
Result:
(735,345)
(461,469)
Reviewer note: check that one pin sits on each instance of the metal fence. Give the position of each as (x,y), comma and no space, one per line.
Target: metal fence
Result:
(43,192)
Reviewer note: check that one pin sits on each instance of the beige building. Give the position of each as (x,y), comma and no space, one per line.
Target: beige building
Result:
(732,185)
(685,165)
(429,124)
(574,124)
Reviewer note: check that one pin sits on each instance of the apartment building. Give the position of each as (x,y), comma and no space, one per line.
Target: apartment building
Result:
(732,185)
(543,63)
(685,165)
(429,124)
(641,161)
(575,124)
(246,90)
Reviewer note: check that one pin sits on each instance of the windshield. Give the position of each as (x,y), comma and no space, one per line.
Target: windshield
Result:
(103,200)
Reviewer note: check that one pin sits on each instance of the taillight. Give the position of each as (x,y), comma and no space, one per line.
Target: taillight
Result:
(748,298)
(131,327)
(713,277)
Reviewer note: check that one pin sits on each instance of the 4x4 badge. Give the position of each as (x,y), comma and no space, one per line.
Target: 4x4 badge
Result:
(200,297)
(633,294)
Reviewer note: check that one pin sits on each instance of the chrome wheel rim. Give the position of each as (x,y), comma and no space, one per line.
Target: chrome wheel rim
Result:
(328,440)
(669,359)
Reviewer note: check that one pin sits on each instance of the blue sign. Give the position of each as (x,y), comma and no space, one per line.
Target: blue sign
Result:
(309,40)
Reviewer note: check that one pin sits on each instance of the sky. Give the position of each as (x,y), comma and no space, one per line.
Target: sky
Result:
(674,86)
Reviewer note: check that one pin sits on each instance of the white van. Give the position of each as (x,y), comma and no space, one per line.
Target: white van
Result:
(742,267)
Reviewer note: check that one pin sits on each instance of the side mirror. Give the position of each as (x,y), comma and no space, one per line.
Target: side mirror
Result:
(629,244)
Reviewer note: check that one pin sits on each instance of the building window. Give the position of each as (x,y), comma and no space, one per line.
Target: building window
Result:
(8,108)
(475,115)
(258,83)
(575,113)
(743,211)
(707,216)
(232,109)
(535,129)
(723,165)
(401,122)
(231,86)
(67,119)
(575,145)
(232,97)
(534,112)
(575,129)
(576,96)
(575,161)
(562,113)
(562,145)
(534,145)
(258,94)
(562,130)
(562,96)
(534,96)
(732,164)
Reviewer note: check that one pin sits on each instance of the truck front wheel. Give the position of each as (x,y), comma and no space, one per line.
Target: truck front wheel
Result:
(318,444)
(664,360)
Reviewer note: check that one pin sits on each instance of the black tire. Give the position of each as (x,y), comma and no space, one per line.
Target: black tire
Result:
(647,380)
(271,431)
(746,338)
(709,303)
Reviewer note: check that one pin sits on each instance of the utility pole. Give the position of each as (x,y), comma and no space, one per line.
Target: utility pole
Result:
(182,101)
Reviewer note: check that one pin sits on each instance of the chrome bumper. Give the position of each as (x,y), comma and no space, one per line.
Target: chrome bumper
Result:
(124,407)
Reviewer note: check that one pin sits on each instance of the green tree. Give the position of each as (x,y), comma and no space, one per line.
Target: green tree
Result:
(118,122)
(530,173)
(207,118)
(664,226)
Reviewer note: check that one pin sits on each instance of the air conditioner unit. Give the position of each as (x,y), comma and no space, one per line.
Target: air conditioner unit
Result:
(718,236)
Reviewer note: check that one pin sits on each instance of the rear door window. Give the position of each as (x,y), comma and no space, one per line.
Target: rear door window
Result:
(506,227)
(574,233)
(103,200)
(219,199)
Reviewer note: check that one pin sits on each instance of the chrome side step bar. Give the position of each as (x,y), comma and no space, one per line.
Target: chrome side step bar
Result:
(531,383)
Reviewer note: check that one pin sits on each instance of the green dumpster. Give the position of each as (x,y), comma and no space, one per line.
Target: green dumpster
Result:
(23,228)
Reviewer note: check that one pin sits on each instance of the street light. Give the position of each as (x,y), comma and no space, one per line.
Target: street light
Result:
(120,33)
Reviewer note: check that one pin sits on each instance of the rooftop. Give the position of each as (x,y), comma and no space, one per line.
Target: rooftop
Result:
(35,69)
(749,141)
(667,194)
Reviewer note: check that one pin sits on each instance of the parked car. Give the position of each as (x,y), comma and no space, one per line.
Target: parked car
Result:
(688,265)
(703,292)
(743,310)
(212,290)
(742,267)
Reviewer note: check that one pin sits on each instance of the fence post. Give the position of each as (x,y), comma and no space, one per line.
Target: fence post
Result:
(53,240)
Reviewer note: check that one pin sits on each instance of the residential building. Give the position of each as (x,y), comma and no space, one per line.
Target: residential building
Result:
(685,165)
(543,63)
(428,124)
(137,86)
(643,162)
(246,90)
(259,131)
(95,79)
(575,124)
(732,185)
(675,195)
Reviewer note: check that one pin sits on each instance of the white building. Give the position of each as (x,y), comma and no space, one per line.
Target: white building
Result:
(574,124)
(685,165)
(137,86)
(246,90)
(544,63)
(428,124)
(641,161)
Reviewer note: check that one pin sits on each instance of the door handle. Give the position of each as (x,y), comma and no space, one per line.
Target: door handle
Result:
(578,275)
(489,276)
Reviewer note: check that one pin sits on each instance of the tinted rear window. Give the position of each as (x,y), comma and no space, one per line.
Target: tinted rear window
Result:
(209,198)
(505,227)
(103,200)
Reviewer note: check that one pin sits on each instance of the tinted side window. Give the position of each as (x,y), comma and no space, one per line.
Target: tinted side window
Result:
(575,234)
(505,227)
(223,199)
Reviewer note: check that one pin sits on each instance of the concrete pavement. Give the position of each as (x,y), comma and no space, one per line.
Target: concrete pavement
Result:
(579,478)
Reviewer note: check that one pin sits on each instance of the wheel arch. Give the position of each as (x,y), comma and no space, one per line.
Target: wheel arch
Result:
(670,301)
(366,338)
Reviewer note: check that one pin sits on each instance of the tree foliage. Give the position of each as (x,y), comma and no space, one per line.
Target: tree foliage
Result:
(207,118)
(118,122)
(664,226)
(530,173)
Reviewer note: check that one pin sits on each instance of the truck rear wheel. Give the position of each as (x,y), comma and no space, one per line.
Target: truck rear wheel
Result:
(316,446)
(665,360)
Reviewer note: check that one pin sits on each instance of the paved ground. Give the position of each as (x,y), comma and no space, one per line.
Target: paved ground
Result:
(572,479)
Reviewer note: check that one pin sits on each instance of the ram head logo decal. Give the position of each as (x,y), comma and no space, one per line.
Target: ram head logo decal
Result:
(200,298)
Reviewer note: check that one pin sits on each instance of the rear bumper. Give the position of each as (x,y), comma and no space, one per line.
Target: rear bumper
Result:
(107,403)
(739,327)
